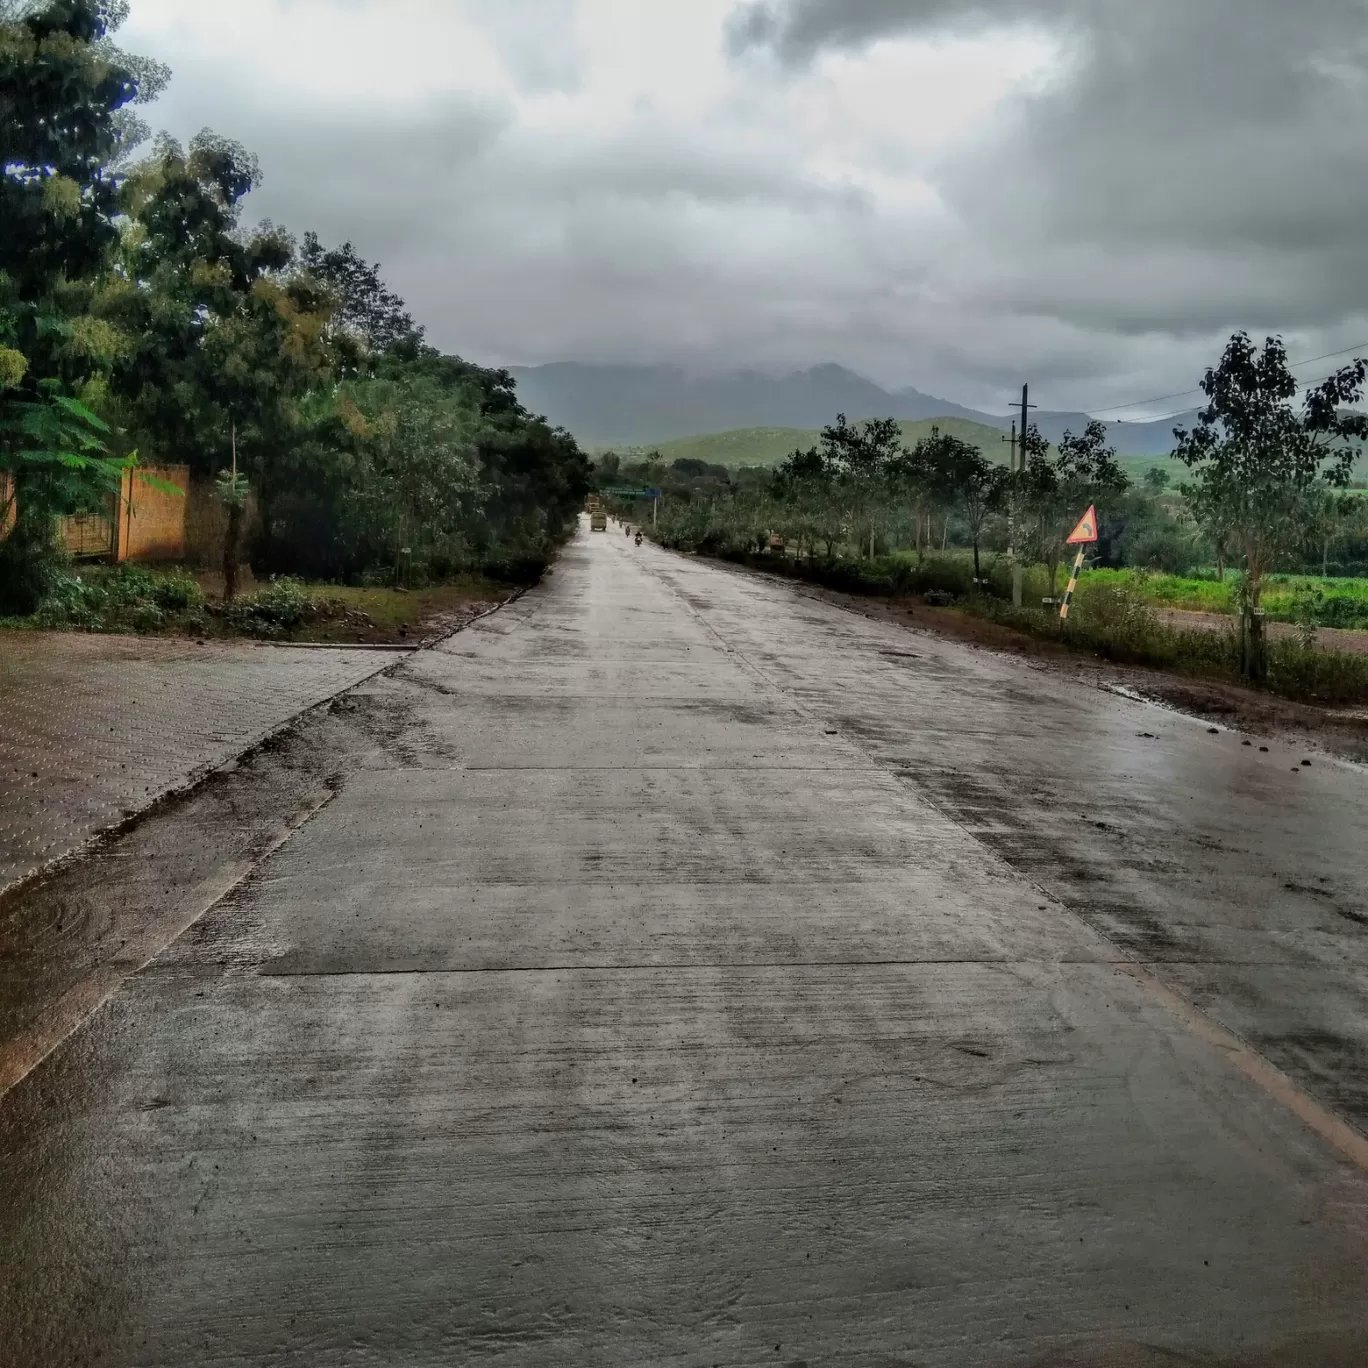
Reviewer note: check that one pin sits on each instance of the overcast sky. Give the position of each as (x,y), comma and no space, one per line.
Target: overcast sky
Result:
(953,194)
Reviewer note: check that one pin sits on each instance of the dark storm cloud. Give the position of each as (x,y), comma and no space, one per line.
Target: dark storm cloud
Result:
(802,28)
(1208,156)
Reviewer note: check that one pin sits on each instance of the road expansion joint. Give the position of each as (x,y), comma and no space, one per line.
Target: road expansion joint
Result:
(691,966)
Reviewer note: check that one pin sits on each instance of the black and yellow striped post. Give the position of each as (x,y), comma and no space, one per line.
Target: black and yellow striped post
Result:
(1073,584)
(1084,535)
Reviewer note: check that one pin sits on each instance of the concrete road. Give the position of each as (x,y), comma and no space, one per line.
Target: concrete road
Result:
(687,971)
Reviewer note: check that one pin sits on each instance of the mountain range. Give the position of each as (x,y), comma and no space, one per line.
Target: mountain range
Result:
(634,406)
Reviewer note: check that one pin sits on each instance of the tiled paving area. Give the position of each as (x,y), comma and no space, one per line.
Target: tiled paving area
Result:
(96,728)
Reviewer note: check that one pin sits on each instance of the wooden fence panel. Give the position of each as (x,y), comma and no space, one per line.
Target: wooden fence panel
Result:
(152,522)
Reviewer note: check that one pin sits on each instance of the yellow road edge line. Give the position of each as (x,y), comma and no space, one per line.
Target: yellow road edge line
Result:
(1327,1124)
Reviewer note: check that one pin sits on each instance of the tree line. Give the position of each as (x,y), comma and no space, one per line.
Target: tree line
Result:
(1265,476)
(143,322)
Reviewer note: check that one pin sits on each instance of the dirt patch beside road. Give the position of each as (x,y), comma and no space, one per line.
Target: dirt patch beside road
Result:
(400,617)
(1328,638)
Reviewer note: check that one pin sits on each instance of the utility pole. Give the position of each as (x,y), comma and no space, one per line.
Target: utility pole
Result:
(1011,519)
(1018,570)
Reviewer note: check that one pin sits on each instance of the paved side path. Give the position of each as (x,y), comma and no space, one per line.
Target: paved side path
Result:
(668,984)
(95,728)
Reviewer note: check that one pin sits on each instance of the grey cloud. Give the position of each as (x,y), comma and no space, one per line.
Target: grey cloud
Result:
(1196,167)
(511,247)
(1205,157)
(536,40)
(799,29)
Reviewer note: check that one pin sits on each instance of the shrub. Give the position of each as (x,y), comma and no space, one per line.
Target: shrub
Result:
(1298,670)
(70,602)
(177,592)
(276,610)
(115,600)
(516,569)
(130,585)
(1117,608)
(1116,623)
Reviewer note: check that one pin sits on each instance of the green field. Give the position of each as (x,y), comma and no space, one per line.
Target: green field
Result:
(1329,602)
(1324,602)
(768,446)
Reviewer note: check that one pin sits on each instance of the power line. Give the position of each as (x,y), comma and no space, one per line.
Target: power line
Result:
(1140,403)
(1153,418)
(1181,394)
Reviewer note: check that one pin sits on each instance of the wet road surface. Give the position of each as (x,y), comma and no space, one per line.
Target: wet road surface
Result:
(683,970)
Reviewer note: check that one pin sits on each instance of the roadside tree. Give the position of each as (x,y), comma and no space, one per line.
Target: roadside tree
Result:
(803,485)
(65,122)
(228,335)
(964,479)
(920,487)
(366,310)
(863,458)
(1256,460)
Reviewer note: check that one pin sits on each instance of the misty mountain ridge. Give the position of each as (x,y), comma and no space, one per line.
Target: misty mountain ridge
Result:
(635,406)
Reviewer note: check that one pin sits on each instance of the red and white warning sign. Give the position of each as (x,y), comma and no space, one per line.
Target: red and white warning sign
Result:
(1086,531)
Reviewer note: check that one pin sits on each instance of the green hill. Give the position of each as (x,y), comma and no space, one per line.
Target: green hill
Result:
(768,446)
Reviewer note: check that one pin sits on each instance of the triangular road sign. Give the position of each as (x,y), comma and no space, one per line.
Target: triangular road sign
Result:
(1086,531)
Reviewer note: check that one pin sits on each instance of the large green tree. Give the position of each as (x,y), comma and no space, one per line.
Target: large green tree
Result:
(229,335)
(366,309)
(864,460)
(803,486)
(389,466)
(135,290)
(963,478)
(1257,461)
(65,124)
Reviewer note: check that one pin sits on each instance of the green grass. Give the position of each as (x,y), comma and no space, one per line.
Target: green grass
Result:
(395,612)
(132,599)
(1172,591)
(1286,598)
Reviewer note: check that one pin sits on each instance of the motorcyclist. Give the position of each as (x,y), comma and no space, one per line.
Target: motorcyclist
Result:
(638,537)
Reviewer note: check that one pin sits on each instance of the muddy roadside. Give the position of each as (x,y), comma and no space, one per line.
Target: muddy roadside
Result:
(1342,732)
(69,938)
(72,934)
